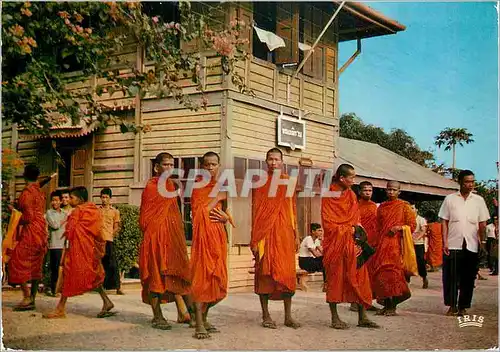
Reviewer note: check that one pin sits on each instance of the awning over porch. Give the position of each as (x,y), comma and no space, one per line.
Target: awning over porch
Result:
(66,129)
(357,21)
(378,165)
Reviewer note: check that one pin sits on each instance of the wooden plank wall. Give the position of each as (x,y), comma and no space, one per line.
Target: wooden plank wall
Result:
(254,133)
(180,131)
(6,136)
(27,150)
(113,163)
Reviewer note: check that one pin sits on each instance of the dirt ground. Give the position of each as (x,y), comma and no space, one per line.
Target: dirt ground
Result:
(421,324)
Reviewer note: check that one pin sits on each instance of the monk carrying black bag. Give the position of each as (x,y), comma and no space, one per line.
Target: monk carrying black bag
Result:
(361,240)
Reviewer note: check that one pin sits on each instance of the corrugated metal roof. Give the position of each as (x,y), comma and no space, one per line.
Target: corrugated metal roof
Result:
(375,162)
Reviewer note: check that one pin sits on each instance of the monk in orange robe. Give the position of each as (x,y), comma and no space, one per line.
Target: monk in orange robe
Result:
(208,248)
(388,281)
(368,214)
(274,243)
(345,281)
(28,255)
(163,259)
(435,250)
(82,266)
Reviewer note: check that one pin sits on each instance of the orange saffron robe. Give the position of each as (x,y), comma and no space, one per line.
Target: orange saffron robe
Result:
(388,275)
(345,282)
(368,215)
(163,258)
(28,255)
(208,250)
(274,224)
(83,270)
(435,251)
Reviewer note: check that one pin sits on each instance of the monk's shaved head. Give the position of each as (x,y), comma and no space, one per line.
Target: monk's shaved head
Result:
(344,170)
(394,184)
(393,190)
(162,156)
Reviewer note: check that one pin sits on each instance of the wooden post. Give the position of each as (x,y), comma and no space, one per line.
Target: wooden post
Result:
(138,120)
(227,160)
(14,139)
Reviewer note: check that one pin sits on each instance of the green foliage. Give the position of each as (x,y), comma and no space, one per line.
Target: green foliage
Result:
(48,45)
(397,141)
(489,191)
(129,239)
(449,137)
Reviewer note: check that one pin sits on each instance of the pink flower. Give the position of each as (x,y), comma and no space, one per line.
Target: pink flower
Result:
(178,26)
(222,46)
(155,19)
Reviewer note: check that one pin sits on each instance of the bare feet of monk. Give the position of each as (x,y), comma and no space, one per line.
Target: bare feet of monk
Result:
(26,304)
(184,319)
(105,311)
(390,312)
(291,323)
(57,314)
(201,333)
(339,324)
(366,323)
(452,311)
(269,323)
(210,328)
(381,311)
(354,307)
(161,324)
(425,283)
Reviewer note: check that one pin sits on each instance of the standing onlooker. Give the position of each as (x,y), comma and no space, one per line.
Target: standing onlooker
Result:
(110,229)
(491,245)
(464,215)
(56,220)
(419,243)
(65,201)
(311,252)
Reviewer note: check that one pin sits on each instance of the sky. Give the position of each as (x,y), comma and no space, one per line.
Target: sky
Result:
(442,71)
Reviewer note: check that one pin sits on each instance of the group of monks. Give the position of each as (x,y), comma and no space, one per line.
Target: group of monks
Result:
(167,272)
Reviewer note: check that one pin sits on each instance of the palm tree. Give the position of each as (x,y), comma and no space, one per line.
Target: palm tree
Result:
(450,137)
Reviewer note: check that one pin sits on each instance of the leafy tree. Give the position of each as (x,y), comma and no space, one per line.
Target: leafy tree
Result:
(397,141)
(450,137)
(128,240)
(49,45)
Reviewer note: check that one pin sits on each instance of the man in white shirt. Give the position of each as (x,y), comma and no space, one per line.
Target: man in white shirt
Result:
(419,243)
(464,215)
(491,240)
(311,252)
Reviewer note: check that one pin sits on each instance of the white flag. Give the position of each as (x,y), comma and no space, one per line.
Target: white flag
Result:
(272,40)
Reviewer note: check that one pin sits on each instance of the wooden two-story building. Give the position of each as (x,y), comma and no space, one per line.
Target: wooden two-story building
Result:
(240,127)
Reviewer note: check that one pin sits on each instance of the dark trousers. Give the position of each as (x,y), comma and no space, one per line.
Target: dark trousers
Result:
(312,265)
(459,273)
(489,247)
(420,253)
(55,259)
(112,279)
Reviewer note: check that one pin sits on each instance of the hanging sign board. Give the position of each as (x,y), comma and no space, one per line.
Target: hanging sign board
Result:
(291,132)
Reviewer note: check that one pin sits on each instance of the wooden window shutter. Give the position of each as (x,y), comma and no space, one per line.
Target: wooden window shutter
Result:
(318,62)
(243,13)
(287,27)
(307,69)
